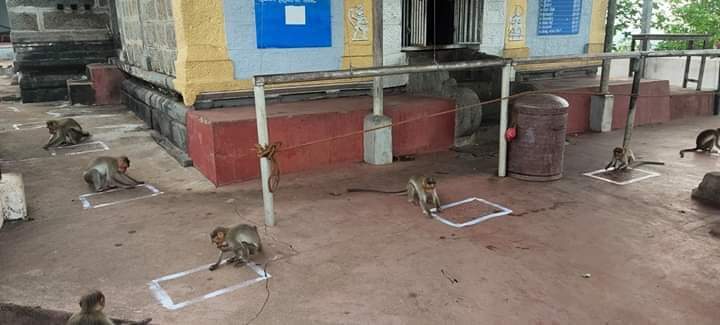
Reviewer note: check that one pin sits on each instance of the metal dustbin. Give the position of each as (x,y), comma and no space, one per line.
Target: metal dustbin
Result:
(536,153)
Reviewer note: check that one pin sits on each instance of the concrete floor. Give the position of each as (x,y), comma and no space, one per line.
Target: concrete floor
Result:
(370,258)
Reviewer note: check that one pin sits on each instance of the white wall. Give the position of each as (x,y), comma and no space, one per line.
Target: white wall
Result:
(671,69)
(392,41)
(493,27)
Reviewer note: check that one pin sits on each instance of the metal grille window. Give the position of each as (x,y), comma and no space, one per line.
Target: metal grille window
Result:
(441,22)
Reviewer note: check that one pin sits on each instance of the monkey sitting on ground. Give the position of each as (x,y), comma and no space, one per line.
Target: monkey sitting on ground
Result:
(243,240)
(65,131)
(624,158)
(706,141)
(106,173)
(91,311)
(419,189)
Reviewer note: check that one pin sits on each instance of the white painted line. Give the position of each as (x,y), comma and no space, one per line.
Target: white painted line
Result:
(649,174)
(103,147)
(29,126)
(13,108)
(503,211)
(87,205)
(164,298)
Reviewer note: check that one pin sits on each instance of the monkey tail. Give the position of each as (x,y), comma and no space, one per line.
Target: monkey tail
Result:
(682,155)
(639,163)
(350,190)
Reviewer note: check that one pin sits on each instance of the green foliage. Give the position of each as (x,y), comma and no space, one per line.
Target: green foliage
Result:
(627,18)
(692,16)
(681,16)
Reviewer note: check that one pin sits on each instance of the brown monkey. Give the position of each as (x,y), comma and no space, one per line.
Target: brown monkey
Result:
(621,158)
(91,311)
(65,131)
(706,141)
(243,240)
(419,189)
(106,173)
(624,158)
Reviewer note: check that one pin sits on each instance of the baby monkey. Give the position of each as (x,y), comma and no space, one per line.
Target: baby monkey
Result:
(91,310)
(243,240)
(65,131)
(623,158)
(419,189)
(706,141)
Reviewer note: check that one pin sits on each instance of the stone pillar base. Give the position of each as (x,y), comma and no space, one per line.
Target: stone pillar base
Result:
(601,113)
(377,144)
(12,195)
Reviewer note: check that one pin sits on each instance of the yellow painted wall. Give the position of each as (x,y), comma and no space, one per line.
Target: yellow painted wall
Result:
(515,41)
(203,63)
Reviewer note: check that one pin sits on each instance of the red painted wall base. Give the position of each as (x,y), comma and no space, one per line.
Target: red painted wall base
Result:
(221,141)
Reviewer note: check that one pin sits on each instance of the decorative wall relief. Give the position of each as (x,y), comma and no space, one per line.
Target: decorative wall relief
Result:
(359,22)
(515,32)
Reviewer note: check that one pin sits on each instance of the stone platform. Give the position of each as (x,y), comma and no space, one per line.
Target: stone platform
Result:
(658,102)
(221,141)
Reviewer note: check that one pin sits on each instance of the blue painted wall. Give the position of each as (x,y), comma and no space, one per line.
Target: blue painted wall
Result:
(249,60)
(557,44)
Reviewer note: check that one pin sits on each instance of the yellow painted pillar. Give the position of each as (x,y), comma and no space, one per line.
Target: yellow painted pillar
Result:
(516,29)
(202,61)
(358,17)
(597,26)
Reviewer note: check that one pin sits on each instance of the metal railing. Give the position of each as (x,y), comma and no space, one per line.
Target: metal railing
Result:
(260,81)
(690,40)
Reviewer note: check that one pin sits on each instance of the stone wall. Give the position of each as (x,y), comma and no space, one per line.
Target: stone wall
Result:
(159,111)
(54,40)
(147,33)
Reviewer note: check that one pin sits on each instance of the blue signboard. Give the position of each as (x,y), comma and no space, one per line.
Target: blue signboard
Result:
(293,23)
(559,17)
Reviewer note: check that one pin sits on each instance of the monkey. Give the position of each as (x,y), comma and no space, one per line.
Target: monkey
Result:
(106,173)
(419,189)
(624,158)
(91,311)
(706,141)
(65,131)
(243,240)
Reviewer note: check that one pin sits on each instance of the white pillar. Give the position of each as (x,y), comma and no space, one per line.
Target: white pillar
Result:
(264,140)
(504,93)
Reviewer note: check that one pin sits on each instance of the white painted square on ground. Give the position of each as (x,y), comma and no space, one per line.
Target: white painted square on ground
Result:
(10,109)
(295,15)
(79,149)
(117,196)
(29,126)
(469,212)
(201,278)
(629,176)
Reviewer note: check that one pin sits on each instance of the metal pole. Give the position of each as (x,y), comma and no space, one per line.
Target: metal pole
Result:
(633,101)
(646,18)
(378,56)
(717,91)
(608,44)
(264,140)
(504,94)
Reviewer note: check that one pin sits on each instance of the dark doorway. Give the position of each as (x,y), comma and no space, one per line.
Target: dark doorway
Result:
(441,27)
